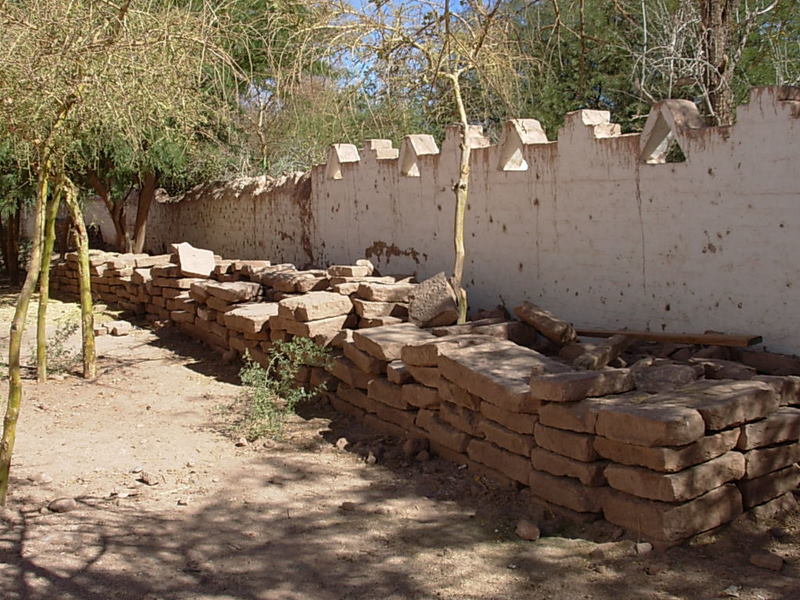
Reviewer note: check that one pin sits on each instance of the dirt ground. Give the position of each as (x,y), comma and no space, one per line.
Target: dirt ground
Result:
(305,517)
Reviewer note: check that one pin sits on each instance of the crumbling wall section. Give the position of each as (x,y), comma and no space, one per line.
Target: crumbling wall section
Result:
(601,227)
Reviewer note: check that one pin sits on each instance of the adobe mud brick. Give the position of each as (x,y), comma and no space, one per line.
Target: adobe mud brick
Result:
(580,416)
(450,392)
(459,417)
(386,342)
(769,486)
(375,310)
(385,292)
(567,492)
(420,396)
(387,393)
(426,353)
(787,388)
(726,404)
(511,465)
(577,385)
(194,262)
(665,522)
(546,323)
(781,426)
(402,418)
(233,291)
(498,372)
(425,375)
(579,446)
(397,372)
(446,435)
(519,422)
(588,473)
(314,306)
(356,397)
(676,487)
(667,459)
(658,420)
(251,317)
(505,438)
(766,460)
(362,360)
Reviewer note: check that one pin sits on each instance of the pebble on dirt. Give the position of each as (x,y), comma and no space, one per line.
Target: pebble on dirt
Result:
(62,505)
(766,560)
(528,530)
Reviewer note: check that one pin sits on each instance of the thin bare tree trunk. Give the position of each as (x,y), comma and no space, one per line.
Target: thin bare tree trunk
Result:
(15,336)
(462,194)
(147,194)
(87,313)
(44,284)
(9,239)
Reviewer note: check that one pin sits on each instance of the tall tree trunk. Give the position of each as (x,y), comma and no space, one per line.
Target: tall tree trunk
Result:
(462,194)
(147,193)
(116,211)
(9,240)
(87,313)
(15,336)
(717,17)
(44,284)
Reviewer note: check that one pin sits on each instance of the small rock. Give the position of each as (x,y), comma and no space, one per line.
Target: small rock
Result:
(342,443)
(371,459)
(137,469)
(423,456)
(241,442)
(183,501)
(148,478)
(40,478)
(732,591)
(766,560)
(348,506)
(413,446)
(528,530)
(644,548)
(62,505)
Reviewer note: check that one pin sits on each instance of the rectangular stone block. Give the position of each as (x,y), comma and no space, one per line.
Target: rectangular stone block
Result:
(356,397)
(588,473)
(376,310)
(233,291)
(401,418)
(580,416)
(676,487)
(579,446)
(362,360)
(781,426)
(512,465)
(459,417)
(420,396)
(323,327)
(761,461)
(424,417)
(450,392)
(658,420)
(545,322)
(383,427)
(567,492)
(385,343)
(314,306)
(667,459)
(787,388)
(519,422)
(396,372)
(497,372)
(343,369)
(252,317)
(577,385)
(665,522)
(505,438)
(447,435)
(425,375)
(385,292)
(724,404)
(426,353)
(769,486)
(388,393)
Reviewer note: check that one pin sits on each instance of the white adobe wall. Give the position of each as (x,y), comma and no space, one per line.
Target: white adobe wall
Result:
(588,230)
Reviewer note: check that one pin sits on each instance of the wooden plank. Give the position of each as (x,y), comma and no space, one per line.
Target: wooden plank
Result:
(707,339)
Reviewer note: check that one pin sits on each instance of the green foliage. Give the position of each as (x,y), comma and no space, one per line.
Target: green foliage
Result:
(272,392)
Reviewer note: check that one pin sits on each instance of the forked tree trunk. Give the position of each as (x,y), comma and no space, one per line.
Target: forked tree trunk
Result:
(15,336)
(87,313)
(717,17)
(44,284)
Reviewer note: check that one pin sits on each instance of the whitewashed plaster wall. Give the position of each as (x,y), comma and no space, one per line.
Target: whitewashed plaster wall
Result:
(589,229)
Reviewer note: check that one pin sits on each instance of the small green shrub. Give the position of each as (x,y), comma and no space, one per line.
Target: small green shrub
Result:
(271,393)
(61,357)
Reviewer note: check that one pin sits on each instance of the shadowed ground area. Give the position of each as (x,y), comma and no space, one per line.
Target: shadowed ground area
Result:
(304,517)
